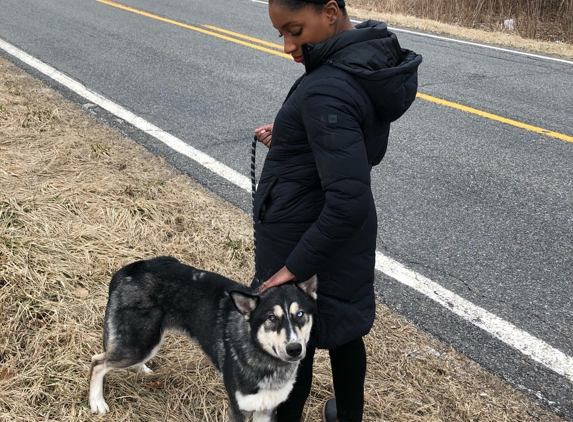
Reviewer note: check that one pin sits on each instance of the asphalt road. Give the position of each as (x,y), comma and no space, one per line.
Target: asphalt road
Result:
(481,207)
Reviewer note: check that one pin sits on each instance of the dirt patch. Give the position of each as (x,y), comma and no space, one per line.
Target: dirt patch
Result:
(78,201)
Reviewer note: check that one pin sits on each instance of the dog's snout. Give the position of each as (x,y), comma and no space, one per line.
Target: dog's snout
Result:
(294,349)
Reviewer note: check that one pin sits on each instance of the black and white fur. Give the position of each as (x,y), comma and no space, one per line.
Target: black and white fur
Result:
(255,341)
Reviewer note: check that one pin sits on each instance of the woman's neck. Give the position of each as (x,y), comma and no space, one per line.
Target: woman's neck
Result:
(344,25)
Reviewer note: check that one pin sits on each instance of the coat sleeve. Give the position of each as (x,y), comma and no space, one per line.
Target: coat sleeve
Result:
(332,113)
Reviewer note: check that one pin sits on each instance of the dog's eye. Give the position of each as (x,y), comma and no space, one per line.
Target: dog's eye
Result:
(300,314)
(272,318)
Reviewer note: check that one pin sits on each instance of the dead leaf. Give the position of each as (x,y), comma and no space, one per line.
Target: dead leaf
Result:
(153,385)
(81,293)
(6,374)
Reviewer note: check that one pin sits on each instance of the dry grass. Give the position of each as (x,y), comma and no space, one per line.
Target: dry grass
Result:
(386,12)
(78,201)
(549,20)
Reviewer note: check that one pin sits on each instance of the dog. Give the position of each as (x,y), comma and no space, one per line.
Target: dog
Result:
(255,341)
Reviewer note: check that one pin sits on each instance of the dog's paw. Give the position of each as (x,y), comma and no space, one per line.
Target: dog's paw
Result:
(140,368)
(145,370)
(99,406)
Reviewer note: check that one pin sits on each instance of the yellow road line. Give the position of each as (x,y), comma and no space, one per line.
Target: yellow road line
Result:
(194,28)
(426,97)
(495,117)
(246,37)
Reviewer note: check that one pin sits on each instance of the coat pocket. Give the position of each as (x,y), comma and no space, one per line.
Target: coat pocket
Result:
(262,199)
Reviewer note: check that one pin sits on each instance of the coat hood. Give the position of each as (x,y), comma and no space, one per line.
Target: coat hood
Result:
(372,54)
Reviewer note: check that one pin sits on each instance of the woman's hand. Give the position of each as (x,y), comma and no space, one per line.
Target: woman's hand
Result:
(264,134)
(281,277)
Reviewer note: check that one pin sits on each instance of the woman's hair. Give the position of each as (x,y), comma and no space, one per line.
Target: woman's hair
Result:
(317,5)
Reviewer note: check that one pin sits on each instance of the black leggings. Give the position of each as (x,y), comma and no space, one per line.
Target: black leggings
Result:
(348,363)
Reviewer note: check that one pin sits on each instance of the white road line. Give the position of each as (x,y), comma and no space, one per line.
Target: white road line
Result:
(171,141)
(475,44)
(527,344)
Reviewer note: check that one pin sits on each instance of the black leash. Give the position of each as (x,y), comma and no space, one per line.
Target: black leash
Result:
(255,281)
(253,187)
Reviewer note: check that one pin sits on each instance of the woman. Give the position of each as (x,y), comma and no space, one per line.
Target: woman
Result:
(314,211)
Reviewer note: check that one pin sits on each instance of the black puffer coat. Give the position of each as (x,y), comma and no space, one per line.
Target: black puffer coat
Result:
(314,209)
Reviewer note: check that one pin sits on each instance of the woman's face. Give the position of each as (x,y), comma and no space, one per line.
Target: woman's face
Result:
(298,27)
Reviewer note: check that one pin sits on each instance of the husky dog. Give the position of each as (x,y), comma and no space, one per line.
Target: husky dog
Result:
(255,341)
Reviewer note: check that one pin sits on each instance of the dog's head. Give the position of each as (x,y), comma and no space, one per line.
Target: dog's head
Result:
(280,318)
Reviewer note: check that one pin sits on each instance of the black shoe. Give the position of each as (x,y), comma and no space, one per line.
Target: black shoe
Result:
(329,411)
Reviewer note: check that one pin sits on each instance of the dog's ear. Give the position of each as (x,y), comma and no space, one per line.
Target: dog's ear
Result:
(309,286)
(244,303)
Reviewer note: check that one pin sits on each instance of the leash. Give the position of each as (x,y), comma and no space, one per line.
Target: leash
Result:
(253,188)
(255,281)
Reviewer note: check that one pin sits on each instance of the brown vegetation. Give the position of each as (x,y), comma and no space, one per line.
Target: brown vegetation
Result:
(78,201)
(546,20)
